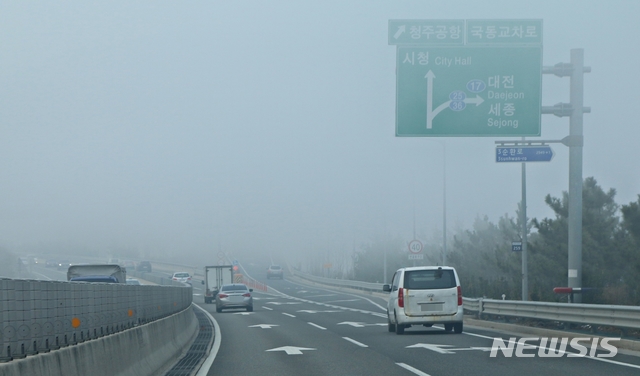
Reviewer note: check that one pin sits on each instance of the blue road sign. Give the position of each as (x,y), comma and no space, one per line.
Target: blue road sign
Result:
(524,154)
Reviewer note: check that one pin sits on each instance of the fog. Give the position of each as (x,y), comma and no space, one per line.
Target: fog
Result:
(178,130)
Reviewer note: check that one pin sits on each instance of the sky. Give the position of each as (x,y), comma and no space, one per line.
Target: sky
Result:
(183,129)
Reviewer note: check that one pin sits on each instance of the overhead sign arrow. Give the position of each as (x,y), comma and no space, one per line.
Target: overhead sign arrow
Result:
(291,350)
(401,29)
(263,326)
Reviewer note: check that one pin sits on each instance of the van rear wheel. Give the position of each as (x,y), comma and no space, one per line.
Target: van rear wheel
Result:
(457,328)
(448,327)
(391,327)
(399,327)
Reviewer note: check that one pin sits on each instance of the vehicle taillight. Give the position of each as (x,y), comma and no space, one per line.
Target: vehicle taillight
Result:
(247,295)
(459,295)
(400,298)
(220,295)
(174,278)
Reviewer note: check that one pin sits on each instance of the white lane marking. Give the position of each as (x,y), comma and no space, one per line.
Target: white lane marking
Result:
(288,314)
(356,296)
(409,368)
(263,326)
(244,313)
(355,342)
(267,308)
(291,350)
(47,278)
(316,325)
(344,300)
(319,296)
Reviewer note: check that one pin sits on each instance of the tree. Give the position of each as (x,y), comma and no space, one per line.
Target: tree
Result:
(600,253)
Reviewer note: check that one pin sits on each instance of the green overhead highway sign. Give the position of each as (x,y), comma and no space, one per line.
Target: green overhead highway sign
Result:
(471,89)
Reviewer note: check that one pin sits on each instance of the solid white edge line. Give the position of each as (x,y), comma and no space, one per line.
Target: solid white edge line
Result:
(316,325)
(409,368)
(217,339)
(355,342)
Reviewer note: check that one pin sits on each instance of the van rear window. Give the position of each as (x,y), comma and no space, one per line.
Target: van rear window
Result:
(429,279)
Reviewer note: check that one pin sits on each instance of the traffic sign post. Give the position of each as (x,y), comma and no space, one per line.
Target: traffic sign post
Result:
(415,246)
(524,154)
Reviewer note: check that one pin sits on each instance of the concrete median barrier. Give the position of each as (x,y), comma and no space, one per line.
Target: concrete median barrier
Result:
(143,350)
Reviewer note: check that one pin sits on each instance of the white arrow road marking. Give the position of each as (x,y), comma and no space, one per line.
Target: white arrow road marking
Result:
(244,313)
(472,348)
(310,311)
(355,342)
(267,308)
(360,324)
(401,30)
(340,301)
(409,368)
(283,303)
(291,350)
(436,348)
(263,326)
(352,323)
(440,348)
(288,314)
(319,296)
(317,326)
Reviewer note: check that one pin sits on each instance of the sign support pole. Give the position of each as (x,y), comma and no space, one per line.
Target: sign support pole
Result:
(523,214)
(575,171)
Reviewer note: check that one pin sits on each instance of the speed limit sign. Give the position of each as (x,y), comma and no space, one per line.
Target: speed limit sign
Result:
(415,246)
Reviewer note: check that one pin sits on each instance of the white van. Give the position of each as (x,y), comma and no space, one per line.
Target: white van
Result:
(424,295)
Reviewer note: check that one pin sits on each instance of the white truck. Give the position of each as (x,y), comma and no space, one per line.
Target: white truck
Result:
(97,273)
(214,278)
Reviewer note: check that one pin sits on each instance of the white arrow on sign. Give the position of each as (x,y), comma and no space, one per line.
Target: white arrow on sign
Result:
(291,350)
(401,30)
(263,326)
(431,113)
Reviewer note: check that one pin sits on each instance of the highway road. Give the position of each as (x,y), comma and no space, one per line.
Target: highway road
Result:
(317,331)
(299,329)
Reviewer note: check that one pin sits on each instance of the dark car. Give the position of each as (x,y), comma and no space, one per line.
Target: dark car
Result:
(274,271)
(236,295)
(144,266)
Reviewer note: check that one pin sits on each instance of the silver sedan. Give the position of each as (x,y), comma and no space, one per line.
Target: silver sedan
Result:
(236,295)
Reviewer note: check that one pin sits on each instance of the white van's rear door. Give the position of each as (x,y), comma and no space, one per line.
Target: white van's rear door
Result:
(430,292)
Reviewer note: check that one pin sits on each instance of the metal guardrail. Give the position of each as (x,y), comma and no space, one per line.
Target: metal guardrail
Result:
(588,314)
(40,316)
